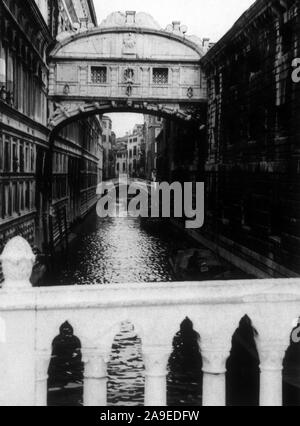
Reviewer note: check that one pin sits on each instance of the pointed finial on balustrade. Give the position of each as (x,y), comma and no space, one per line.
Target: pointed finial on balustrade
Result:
(17,263)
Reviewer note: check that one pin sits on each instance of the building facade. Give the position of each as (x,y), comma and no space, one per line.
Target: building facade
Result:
(77,161)
(77,170)
(121,153)
(109,141)
(252,170)
(24,38)
(136,151)
(27,29)
(153,127)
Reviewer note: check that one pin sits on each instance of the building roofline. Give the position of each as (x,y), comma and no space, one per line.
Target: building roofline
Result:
(91,6)
(239,27)
(135,30)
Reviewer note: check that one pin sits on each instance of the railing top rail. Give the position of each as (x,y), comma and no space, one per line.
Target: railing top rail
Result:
(151,294)
(18,294)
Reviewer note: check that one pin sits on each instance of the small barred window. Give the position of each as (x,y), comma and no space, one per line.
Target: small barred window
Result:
(160,75)
(99,75)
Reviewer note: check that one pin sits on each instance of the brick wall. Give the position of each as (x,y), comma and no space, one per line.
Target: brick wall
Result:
(252,169)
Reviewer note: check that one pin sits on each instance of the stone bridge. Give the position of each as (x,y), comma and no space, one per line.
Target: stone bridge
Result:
(128,64)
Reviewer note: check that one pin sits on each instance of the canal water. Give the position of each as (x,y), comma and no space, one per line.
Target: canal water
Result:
(123,250)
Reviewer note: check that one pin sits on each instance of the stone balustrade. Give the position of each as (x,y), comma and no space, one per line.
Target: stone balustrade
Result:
(30,319)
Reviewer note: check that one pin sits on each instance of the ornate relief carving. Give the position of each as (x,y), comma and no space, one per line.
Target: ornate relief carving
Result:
(69,110)
(129,44)
(66,90)
(190,92)
(271,358)
(129,80)
(129,75)
(156,361)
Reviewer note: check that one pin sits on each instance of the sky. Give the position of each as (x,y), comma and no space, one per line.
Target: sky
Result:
(204,18)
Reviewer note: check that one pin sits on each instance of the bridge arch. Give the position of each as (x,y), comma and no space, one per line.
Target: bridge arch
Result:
(65,114)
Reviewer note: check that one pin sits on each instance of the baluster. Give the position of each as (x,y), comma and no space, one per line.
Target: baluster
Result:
(214,378)
(271,366)
(273,325)
(95,378)
(156,363)
(41,377)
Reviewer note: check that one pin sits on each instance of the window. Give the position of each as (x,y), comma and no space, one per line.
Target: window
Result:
(1,154)
(160,76)
(254,61)
(15,157)
(99,75)
(287,37)
(2,65)
(217,84)
(7,156)
(283,119)
(22,169)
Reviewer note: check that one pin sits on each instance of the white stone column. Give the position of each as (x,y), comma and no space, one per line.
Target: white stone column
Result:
(41,377)
(95,378)
(271,366)
(214,377)
(156,363)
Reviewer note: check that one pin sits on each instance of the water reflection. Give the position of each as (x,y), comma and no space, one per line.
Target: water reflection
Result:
(242,379)
(117,250)
(185,366)
(126,381)
(65,381)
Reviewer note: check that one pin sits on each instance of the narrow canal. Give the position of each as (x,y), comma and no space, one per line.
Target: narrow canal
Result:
(124,250)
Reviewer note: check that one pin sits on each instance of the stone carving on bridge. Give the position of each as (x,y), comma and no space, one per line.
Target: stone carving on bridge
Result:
(66,90)
(129,75)
(129,44)
(129,89)
(190,92)
(67,111)
(129,80)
